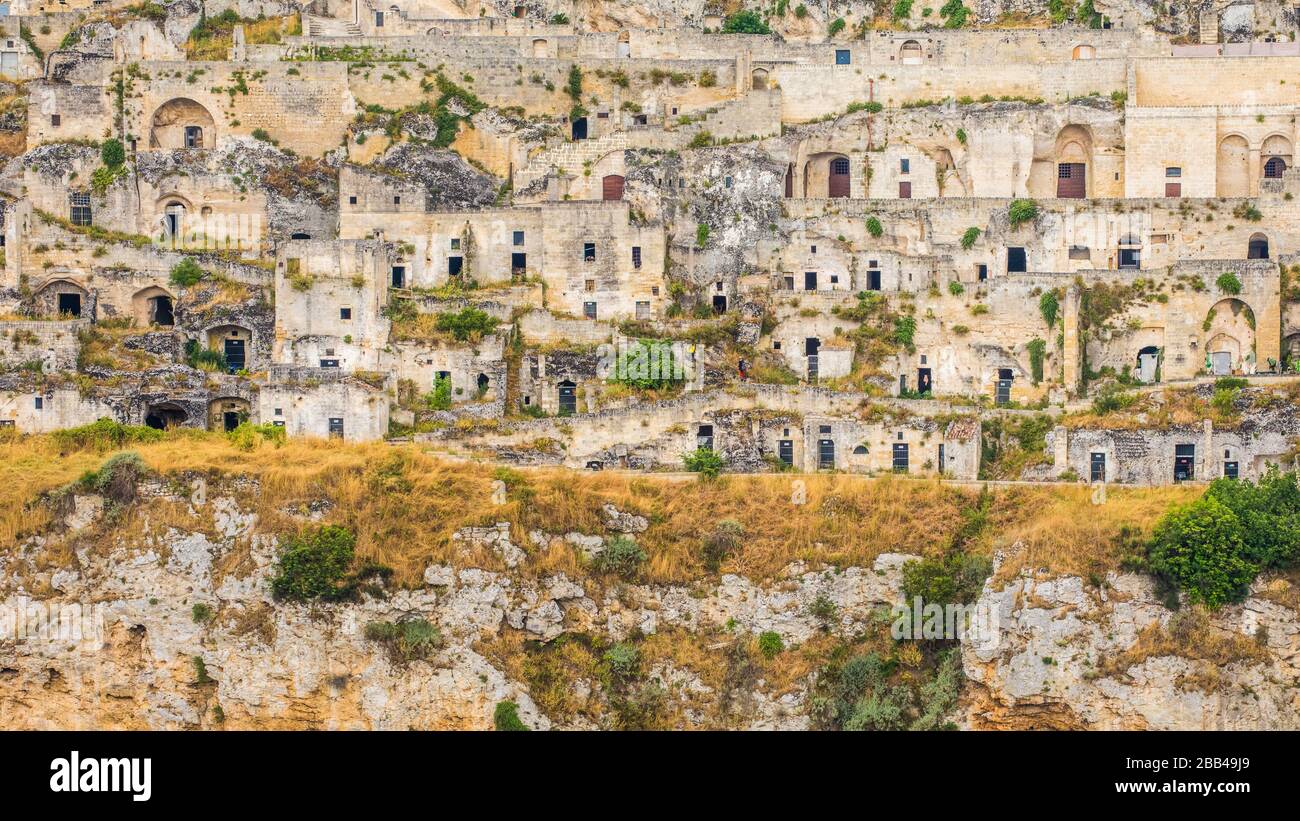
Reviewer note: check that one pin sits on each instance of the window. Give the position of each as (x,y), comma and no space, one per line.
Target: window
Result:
(826,454)
(1016,260)
(654,290)
(843,57)
(785,451)
(588,252)
(279,411)
(1173,171)
(79,208)
(455,243)
(981,272)
(345,313)
(40,403)
(329,363)
(336,427)
(1130,258)
(397,200)
(56,120)
(455,265)
(704,437)
(643,310)
(1230,470)
(1079,252)
(905,166)
(379,19)
(352,200)
(900,458)
(519,237)
(904,190)
(1097,467)
(589,310)
(399,276)
(636,256)
(1173,189)
(835,278)
(193,136)
(589,286)
(840,166)
(279,423)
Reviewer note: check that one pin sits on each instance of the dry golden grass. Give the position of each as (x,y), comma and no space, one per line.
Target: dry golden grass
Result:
(405,504)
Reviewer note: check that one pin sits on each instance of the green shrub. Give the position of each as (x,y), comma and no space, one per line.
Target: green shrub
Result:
(726,538)
(117,479)
(902,10)
(874,227)
(440,397)
(622,556)
(407,640)
(968,239)
(187,273)
(956,288)
(823,609)
(201,613)
(624,660)
(103,435)
(1112,398)
(644,367)
(957,578)
(112,152)
(836,26)
(701,235)
(468,323)
(770,644)
(313,564)
(702,139)
(1228,283)
(904,330)
(204,359)
(1037,351)
(506,717)
(1200,548)
(961,136)
(703,461)
(1022,211)
(1049,307)
(745,22)
(246,436)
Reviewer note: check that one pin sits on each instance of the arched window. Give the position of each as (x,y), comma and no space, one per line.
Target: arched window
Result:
(1274,167)
(911,54)
(1258,247)
(1084,52)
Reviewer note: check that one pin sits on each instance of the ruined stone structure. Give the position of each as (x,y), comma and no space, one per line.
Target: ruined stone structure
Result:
(623,238)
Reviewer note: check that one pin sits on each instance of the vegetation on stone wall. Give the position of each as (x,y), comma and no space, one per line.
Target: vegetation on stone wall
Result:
(745,22)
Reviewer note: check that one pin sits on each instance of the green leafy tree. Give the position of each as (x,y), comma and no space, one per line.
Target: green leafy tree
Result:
(313,564)
(1201,548)
(745,22)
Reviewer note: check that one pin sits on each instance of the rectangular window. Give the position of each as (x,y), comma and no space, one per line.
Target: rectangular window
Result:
(588,252)
(826,454)
(56,120)
(905,166)
(399,276)
(1230,470)
(518,238)
(589,310)
(397,200)
(455,243)
(636,256)
(329,363)
(455,265)
(704,437)
(843,57)
(1130,258)
(79,208)
(589,286)
(1173,189)
(379,19)
(785,451)
(336,427)
(345,313)
(981,272)
(40,403)
(900,458)
(1173,171)
(643,310)
(352,200)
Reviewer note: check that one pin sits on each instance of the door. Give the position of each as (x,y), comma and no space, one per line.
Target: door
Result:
(568,398)
(611,187)
(873,279)
(1097,467)
(1004,386)
(518,264)
(826,454)
(1184,462)
(1230,470)
(811,346)
(229,420)
(943,466)
(789,181)
(838,183)
(704,437)
(1221,363)
(336,427)
(923,380)
(785,451)
(70,304)
(162,311)
(1173,189)
(580,128)
(719,304)
(900,457)
(234,351)
(1071,180)
(904,190)
(399,276)
(810,280)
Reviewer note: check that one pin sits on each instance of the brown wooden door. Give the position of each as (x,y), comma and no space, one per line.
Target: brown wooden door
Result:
(904,190)
(1072,180)
(1173,189)
(838,185)
(789,181)
(612,187)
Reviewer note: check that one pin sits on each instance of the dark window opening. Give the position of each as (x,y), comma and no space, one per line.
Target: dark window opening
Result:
(193,136)
(785,451)
(825,454)
(70,304)
(1184,463)
(589,310)
(399,276)
(336,427)
(568,398)
(636,256)
(455,265)
(1097,467)
(1230,470)
(1016,263)
(235,354)
(518,264)
(588,252)
(704,437)
(900,458)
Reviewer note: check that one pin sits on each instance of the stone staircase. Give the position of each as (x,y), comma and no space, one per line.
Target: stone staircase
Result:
(1208,25)
(330,27)
(570,157)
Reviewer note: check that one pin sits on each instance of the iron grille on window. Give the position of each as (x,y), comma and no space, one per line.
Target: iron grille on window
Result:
(840,166)
(1063,171)
(80,208)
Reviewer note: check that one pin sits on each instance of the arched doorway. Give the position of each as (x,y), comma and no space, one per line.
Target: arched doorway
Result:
(1084,52)
(1148,364)
(758,79)
(568,398)
(64,299)
(174,220)
(1232,174)
(580,129)
(182,123)
(165,415)
(1073,155)
(153,306)
(826,175)
(1230,338)
(611,187)
(910,54)
(1257,247)
(226,413)
(539,48)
